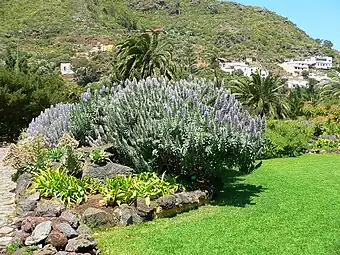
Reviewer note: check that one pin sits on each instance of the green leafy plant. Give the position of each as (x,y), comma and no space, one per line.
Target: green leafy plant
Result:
(99,156)
(56,154)
(92,186)
(59,184)
(322,143)
(125,189)
(287,138)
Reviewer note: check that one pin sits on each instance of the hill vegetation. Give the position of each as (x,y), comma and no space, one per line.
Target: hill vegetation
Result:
(206,27)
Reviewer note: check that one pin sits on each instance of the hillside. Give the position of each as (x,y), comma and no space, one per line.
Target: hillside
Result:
(232,30)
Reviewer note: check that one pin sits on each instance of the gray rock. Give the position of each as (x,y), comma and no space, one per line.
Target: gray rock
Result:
(5,241)
(84,230)
(81,244)
(107,171)
(71,218)
(23,182)
(167,202)
(47,250)
(40,233)
(62,253)
(66,229)
(28,204)
(127,215)
(50,208)
(96,217)
(144,209)
(6,230)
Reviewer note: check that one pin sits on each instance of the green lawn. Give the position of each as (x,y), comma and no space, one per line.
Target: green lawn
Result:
(288,206)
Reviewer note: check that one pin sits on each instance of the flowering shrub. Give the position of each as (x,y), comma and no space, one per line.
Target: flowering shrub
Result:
(186,127)
(52,123)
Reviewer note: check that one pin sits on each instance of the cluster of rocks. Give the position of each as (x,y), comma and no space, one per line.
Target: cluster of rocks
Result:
(47,226)
(145,210)
(53,230)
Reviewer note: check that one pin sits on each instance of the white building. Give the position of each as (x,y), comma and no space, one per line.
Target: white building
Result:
(321,62)
(231,67)
(295,67)
(66,69)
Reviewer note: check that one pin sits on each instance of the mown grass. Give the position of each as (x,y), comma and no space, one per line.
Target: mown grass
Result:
(288,206)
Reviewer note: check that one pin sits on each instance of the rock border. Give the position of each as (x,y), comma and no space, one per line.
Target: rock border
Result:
(48,228)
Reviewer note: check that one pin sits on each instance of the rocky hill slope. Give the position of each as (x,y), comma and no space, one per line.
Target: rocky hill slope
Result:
(231,30)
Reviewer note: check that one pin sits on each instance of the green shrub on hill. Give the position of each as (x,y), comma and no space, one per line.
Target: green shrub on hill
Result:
(287,138)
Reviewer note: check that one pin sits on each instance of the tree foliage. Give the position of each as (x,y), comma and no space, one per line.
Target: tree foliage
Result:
(142,56)
(264,96)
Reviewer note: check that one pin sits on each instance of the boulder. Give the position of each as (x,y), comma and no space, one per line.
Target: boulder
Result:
(28,203)
(167,202)
(84,230)
(49,208)
(127,215)
(57,239)
(71,218)
(40,233)
(23,182)
(29,223)
(107,171)
(47,250)
(144,208)
(81,244)
(66,229)
(97,217)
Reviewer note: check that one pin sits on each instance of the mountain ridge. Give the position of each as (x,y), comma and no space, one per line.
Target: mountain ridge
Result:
(231,30)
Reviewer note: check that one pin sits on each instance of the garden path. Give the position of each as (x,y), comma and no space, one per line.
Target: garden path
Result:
(7,204)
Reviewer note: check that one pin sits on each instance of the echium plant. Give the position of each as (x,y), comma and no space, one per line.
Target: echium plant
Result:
(187,127)
(52,123)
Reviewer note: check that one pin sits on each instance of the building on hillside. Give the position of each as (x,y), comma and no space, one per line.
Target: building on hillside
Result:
(296,67)
(66,69)
(231,67)
(320,62)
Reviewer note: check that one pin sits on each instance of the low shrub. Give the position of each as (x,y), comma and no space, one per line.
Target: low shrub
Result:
(287,138)
(326,143)
(23,96)
(125,189)
(60,184)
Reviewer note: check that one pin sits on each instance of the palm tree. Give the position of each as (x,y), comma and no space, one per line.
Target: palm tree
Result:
(142,56)
(330,90)
(264,96)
